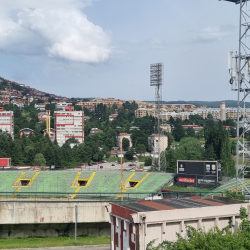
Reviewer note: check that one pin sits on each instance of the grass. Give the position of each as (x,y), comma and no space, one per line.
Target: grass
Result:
(185,189)
(34,242)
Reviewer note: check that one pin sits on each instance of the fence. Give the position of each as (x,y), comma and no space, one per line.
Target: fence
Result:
(98,197)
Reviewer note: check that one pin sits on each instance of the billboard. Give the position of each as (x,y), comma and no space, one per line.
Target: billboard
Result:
(5,162)
(198,173)
(197,167)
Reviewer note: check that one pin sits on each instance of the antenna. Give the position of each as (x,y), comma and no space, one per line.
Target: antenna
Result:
(238,63)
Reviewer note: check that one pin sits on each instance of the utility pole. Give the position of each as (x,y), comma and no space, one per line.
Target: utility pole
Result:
(121,174)
(76,215)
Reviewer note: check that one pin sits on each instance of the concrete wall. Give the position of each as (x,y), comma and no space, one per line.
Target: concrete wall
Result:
(26,219)
(11,231)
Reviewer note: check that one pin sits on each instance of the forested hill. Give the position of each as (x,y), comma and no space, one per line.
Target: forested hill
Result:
(213,104)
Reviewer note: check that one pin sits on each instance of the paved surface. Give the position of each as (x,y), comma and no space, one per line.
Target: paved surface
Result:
(108,167)
(98,247)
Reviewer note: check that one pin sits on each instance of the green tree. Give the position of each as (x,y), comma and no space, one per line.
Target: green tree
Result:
(190,132)
(233,132)
(130,154)
(189,149)
(125,144)
(178,132)
(140,149)
(39,160)
(148,161)
(171,160)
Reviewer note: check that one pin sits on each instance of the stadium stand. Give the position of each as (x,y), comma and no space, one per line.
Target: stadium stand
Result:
(74,184)
(231,185)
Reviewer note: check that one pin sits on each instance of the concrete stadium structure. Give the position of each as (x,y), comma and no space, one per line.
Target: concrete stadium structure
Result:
(44,203)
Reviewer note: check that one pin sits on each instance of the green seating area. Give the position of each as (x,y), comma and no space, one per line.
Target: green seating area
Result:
(230,185)
(7,179)
(59,183)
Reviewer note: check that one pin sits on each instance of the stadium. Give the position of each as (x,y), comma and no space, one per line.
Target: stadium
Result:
(84,185)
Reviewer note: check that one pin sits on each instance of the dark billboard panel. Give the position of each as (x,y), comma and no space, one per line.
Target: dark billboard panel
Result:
(195,167)
(198,173)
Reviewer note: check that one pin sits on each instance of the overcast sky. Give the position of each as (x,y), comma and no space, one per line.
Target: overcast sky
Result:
(104,48)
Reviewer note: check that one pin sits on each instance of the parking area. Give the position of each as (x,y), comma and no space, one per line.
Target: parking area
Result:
(111,166)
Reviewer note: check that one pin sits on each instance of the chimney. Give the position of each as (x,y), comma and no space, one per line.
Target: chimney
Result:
(223,111)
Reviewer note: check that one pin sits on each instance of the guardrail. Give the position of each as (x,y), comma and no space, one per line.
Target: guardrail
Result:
(98,197)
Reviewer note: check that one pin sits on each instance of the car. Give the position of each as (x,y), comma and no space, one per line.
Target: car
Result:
(79,167)
(90,164)
(103,161)
(99,162)
(113,164)
(94,163)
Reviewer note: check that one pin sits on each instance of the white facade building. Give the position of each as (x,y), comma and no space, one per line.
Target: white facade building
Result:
(7,122)
(153,143)
(69,124)
(62,105)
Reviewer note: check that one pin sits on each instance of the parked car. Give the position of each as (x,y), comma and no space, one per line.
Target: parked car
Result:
(113,164)
(94,163)
(90,164)
(103,161)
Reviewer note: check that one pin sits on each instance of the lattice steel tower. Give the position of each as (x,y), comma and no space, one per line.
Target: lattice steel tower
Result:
(239,70)
(156,79)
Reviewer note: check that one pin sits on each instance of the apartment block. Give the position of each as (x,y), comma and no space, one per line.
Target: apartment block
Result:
(153,143)
(69,124)
(7,122)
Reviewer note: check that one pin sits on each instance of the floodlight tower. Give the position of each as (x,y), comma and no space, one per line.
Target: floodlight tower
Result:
(239,70)
(156,79)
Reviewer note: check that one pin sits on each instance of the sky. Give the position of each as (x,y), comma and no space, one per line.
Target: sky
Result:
(104,48)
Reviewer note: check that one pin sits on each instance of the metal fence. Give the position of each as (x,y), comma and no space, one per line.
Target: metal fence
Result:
(97,197)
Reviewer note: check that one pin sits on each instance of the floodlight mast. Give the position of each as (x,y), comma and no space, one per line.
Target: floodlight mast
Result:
(156,79)
(239,83)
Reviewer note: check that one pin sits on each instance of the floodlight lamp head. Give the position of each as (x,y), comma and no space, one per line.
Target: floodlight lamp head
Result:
(156,74)
(236,1)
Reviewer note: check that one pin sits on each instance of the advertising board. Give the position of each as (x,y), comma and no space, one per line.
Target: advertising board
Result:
(5,162)
(198,173)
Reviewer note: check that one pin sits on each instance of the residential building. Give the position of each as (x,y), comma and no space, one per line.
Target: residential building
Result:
(113,117)
(120,138)
(42,116)
(95,130)
(62,105)
(7,122)
(166,128)
(195,127)
(40,106)
(69,124)
(153,143)
(134,128)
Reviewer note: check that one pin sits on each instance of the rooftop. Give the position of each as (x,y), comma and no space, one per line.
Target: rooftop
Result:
(170,204)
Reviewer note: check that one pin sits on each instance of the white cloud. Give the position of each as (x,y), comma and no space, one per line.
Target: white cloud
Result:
(63,32)
(213,34)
